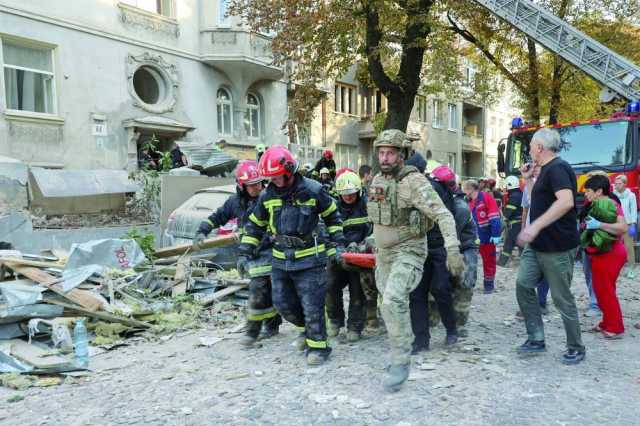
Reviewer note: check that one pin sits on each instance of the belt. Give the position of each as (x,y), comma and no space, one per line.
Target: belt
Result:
(292,242)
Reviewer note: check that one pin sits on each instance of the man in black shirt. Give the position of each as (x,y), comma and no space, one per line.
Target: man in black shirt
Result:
(551,240)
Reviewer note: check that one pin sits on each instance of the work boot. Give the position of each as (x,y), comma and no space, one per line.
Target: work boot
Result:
(318,357)
(373,323)
(333,329)
(268,332)
(397,375)
(353,336)
(503,260)
(248,340)
(301,342)
(417,347)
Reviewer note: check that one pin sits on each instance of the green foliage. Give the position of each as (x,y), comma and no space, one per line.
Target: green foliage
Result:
(145,241)
(378,122)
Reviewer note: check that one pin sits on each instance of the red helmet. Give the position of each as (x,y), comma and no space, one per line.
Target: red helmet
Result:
(491,182)
(247,173)
(443,174)
(277,161)
(341,170)
(328,154)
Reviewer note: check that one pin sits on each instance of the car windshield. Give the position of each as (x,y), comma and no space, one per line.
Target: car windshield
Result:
(604,144)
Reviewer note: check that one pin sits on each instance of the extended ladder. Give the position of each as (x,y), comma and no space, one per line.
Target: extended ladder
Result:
(605,66)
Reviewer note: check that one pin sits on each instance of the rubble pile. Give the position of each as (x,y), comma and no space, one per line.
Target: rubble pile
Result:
(116,290)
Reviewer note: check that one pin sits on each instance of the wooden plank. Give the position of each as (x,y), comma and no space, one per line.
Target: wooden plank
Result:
(102,315)
(182,276)
(221,293)
(36,356)
(25,262)
(218,241)
(84,298)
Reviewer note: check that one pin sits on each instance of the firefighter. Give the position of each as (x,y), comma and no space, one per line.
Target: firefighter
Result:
(403,207)
(355,227)
(289,209)
(249,184)
(325,161)
(512,213)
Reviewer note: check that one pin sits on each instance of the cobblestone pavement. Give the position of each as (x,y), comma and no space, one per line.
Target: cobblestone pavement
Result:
(480,381)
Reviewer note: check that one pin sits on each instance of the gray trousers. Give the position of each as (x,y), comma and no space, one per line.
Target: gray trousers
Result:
(557,268)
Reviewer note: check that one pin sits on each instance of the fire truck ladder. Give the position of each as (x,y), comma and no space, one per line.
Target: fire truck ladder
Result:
(605,66)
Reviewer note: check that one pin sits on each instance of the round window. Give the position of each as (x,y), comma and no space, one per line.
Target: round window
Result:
(149,85)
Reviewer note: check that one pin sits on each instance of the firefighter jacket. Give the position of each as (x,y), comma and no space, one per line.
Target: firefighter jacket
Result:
(355,221)
(240,206)
(403,206)
(323,162)
(486,215)
(465,226)
(291,215)
(512,210)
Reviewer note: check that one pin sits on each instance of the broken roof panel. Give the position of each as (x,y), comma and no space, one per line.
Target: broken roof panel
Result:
(79,183)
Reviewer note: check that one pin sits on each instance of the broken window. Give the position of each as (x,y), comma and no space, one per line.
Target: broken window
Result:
(28,77)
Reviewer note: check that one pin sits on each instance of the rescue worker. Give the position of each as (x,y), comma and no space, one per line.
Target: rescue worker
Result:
(512,212)
(403,207)
(462,286)
(178,159)
(249,184)
(487,218)
(355,227)
(290,209)
(325,161)
(327,183)
(435,277)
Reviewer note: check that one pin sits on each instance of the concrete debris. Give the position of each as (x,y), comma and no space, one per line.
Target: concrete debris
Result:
(117,289)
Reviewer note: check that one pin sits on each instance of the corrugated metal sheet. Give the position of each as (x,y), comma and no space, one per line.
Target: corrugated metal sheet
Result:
(78,183)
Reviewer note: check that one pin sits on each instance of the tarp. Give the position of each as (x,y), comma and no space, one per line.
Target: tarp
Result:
(16,293)
(79,183)
(109,253)
(72,278)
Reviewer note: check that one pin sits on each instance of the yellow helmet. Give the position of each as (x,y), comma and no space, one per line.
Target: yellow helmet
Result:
(324,171)
(348,183)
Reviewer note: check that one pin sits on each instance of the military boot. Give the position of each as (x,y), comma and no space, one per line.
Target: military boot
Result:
(397,375)
(503,260)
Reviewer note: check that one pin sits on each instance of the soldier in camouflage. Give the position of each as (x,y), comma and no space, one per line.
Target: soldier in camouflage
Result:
(403,207)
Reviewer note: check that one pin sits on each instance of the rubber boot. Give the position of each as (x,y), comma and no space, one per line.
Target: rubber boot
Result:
(503,260)
(397,375)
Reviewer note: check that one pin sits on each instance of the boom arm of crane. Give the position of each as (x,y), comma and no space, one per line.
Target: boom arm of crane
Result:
(601,63)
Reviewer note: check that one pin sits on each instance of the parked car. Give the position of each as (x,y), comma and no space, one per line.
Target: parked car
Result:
(184,221)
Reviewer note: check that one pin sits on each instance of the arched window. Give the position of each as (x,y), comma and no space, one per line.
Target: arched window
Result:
(225,119)
(252,118)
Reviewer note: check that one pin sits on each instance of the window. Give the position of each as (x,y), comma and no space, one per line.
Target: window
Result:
(453,117)
(421,102)
(380,102)
(161,7)
(470,76)
(347,156)
(303,135)
(451,160)
(150,85)
(437,114)
(223,18)
(252,119)
(28,78)
(225,121)
(345,99)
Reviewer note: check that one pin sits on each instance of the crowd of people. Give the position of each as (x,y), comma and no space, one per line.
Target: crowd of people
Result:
(426,230)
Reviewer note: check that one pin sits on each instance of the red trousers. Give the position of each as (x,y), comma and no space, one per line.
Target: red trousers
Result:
(488,253)
(605,269)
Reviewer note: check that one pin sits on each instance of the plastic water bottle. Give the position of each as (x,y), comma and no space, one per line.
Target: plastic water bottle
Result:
(81,343)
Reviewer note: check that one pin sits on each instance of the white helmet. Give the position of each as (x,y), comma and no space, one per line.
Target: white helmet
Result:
(512,182)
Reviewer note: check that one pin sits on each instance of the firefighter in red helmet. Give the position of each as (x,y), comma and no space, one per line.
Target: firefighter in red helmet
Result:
(290,209)
(325,162)
(260,312)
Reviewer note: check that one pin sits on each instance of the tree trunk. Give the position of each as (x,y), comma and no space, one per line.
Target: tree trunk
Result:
(399,109)
(533,92)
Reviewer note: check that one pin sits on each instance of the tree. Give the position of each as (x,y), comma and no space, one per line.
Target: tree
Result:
(544,81)
(324,38)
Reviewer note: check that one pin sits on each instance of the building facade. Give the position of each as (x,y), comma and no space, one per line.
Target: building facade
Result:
(85,84)
(456,132)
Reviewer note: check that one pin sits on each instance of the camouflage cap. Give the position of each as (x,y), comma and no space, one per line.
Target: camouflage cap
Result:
(393,138)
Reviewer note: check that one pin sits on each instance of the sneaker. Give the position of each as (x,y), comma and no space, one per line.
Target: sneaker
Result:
(532,347)
(451,339)
(353,336)
(488,287)
(592,312)
(612,336)
(301,342)
(572,356)
(416,348)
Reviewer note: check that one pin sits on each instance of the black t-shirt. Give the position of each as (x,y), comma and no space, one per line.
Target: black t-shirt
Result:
(561,235)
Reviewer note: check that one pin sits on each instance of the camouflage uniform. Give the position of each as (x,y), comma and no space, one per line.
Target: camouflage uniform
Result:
(402,207)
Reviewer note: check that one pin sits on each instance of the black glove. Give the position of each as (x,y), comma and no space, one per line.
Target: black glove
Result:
(205,227)
(242,265)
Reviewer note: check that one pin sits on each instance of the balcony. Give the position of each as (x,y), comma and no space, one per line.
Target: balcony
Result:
(471,142)
(239,52)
